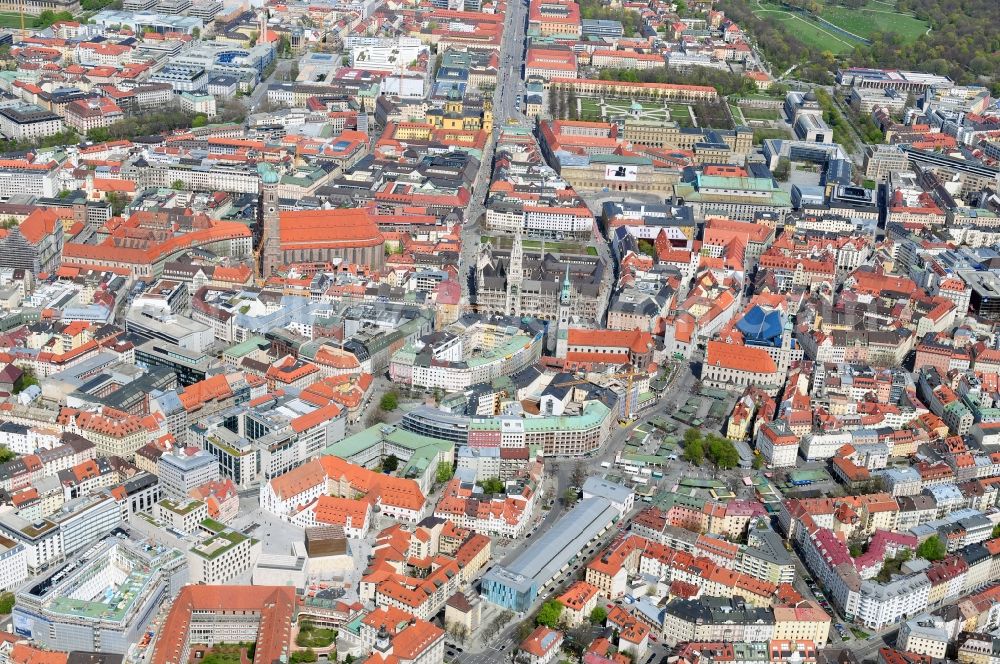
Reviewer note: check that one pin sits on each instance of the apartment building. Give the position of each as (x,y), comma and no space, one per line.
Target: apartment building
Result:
(542,646)
(578,602)
(13,564)
(716,619)
(805,621)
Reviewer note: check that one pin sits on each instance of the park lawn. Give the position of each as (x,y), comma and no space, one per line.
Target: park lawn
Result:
(739,117)
(590,110)
(559,247)
(809,32)
(760,113)
(504,242)
(681,114)
(314,638)
(651,106)
(9,20)
(763,134)
(873,18)
(678,111)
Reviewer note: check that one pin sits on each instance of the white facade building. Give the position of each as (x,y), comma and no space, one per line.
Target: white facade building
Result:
(388,55)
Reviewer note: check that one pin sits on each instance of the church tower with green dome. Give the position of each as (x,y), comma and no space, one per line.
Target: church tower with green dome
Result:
(269,253)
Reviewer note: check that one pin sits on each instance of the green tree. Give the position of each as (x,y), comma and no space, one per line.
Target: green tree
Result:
(854,550)
(6,603)
(444,472)
(389,402)
(692,436)
(199,121)
(758,462)
(99,135)
(196,33)
(680,7)
(549,614)
(307,655)
(694,453)
(598,615)
(996,531)
(5,456)
(568,496)
(493,485)
(118,202)
(390,463)
(178,185)
(26,380)
(48,17)
(783,169)
(722,452)
(932,549)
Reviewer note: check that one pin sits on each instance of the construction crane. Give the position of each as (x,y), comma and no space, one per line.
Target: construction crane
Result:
(630,375)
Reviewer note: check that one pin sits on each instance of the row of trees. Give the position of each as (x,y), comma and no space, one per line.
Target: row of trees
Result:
(97,5)
(67,137)
(144,124)
(727,83)
(140,124)
(715,115)
(841,130)
(495,626)
(563,104)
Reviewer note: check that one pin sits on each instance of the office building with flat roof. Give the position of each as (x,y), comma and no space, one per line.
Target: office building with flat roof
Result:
(622,497)
(592,27)
(103,599)
(28,122)
(183,469)
(985,297)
